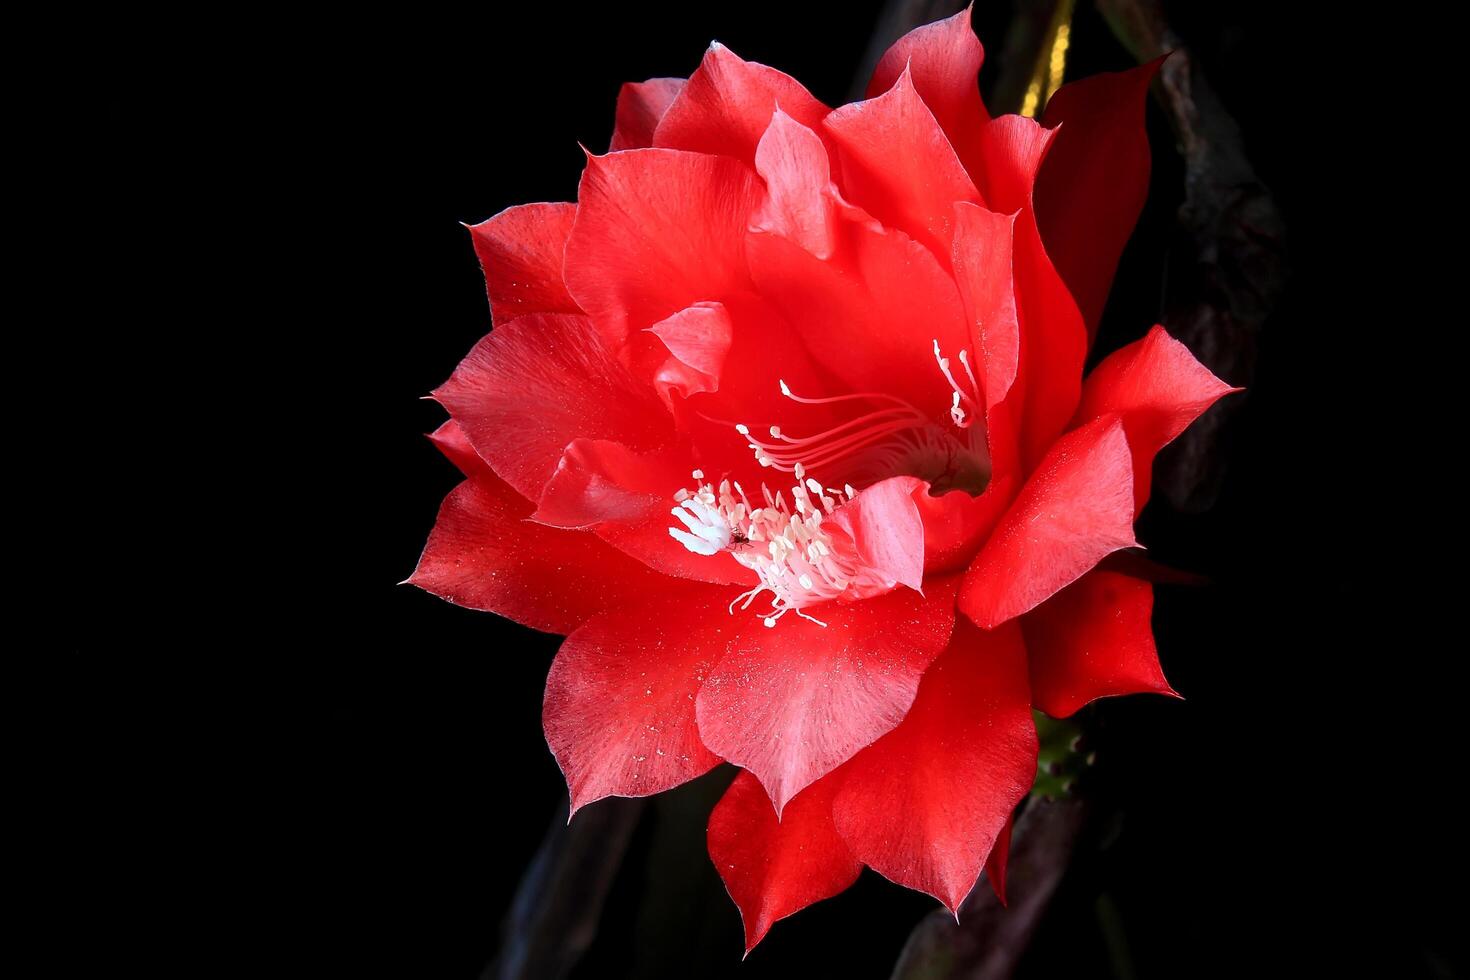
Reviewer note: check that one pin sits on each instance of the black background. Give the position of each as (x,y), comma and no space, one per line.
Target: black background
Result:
(1288,813)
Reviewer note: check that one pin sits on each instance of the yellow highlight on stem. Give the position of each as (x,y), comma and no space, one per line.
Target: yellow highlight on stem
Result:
(1051,61)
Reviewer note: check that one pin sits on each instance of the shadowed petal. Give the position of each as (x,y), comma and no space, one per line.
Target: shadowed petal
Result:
(924,804)
(1094,639)
(773,868)
(1157,388)
(1095,180)
(1076,509)
(640,107)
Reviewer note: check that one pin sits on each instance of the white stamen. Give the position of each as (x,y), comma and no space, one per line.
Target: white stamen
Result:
(961,411)
(796,559)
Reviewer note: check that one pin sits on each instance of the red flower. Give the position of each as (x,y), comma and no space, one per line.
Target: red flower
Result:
(844,348)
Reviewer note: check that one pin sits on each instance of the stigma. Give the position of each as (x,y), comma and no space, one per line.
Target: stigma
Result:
(887,436)
(800,558)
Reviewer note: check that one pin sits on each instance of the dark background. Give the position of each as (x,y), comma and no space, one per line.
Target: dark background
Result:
(1288,814)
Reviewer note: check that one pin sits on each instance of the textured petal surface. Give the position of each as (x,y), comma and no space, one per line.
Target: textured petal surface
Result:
(944,59)
(1053,336)
(1095,180)
(799,204)
(924,805)
(884,525)
(520,251)
(619,706)
(773,868)
(899,166)
(625,498)
(450,440)
(984,269)
(596,480)
(871,313)
(793,702)
(484,554)
(657,231)
(728,103)
(698,339)
(640,107)
(1094,639)
(538,382)
(1157,388)
(1076,508)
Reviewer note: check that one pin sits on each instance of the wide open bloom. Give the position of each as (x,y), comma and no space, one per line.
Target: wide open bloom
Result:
(783,423)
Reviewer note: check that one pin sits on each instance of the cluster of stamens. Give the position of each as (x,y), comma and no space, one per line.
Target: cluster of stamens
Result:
(798,561)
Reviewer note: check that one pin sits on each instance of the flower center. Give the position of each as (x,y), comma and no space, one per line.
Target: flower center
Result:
(889,438)
(799,557)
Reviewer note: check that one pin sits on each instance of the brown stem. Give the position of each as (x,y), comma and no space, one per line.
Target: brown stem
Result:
(1228,269)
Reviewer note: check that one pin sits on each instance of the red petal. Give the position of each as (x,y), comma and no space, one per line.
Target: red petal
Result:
(984,269)
(799,205)
(640,106)
(1053,336)
(793,702)
(1093,640)
(1095,180)
(884,525)
(924,804)
(450,440)
(898,164)
(1000,855)
(944,58)
(1013,149)
(484,554)
(773,868)
(873,311)
(619,707)
(698,338)
(596,481)
(728,103)
(956,524)
(625,497)
(1158,388)
(657,231)
(520,251)
(538,382)
(1075,509)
